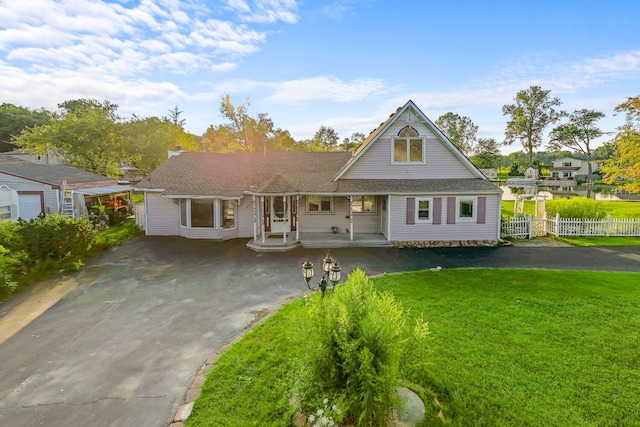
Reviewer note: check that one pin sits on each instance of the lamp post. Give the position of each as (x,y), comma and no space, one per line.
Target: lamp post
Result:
(330,273)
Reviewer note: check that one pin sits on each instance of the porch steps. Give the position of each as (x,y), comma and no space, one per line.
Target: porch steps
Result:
(345,244)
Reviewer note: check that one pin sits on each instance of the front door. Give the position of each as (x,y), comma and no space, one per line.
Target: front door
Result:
(280,214)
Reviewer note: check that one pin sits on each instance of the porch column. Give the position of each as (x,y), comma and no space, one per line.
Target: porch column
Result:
(351,218)
(255,219)
(262,216)
(286,209)
(297,216)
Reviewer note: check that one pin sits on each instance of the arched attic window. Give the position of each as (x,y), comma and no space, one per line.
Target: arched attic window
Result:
(408,146)
(407,132)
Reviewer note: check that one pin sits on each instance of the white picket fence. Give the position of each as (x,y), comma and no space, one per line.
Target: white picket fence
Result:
(527,227)
(140,215)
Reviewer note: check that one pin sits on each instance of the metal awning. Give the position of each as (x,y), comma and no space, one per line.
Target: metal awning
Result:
(99,191)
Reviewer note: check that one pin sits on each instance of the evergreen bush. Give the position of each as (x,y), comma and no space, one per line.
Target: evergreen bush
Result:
(357,343)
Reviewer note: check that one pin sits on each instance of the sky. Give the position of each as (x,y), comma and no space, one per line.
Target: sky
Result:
(346,64)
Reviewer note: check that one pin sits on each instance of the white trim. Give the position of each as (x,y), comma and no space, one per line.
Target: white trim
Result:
(319,211)
(408,141)
(470,166)
(419,220)
(474,208)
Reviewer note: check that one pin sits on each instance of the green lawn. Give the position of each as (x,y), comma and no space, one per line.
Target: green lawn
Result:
(615,209)
(508,348)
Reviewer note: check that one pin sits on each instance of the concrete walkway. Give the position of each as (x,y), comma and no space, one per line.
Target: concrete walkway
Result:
(124,344)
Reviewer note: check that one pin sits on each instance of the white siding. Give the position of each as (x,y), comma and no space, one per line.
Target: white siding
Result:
(163,215)
(322,223)
(51,204)
(401,231)
(376,163)
(244,216)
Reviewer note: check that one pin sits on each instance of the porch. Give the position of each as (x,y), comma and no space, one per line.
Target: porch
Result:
(276,242)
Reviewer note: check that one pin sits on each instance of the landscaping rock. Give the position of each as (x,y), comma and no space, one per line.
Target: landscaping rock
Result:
(411,410)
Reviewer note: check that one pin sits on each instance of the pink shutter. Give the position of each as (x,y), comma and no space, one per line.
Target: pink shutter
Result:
(482,208)
(437,210)
(411,210)
(451,210)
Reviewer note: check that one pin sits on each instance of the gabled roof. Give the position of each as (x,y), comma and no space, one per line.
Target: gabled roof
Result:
(232,174)
(51,174)
(375,134)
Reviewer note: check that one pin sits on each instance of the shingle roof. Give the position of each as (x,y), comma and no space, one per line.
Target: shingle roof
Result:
(417,186)
(51,174)
(231,174)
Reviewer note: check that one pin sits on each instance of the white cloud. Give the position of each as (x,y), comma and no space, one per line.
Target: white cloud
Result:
(325,88)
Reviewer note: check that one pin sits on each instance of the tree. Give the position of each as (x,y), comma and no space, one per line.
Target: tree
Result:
(326,137)
(148,139)
(625,161)
(244,133)
(85,133)
(487,153)
(532,112)
(578,133)
(13,119)
(353,142)
(174,117)
(604,152)
(460,130)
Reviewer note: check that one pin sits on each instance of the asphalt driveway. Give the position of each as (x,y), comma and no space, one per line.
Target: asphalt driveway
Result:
(122,348)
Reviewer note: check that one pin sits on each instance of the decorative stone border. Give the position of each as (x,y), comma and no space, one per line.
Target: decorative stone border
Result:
(445,244)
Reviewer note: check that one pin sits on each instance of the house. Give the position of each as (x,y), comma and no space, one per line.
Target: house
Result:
(532,173)
(57,188)
(406,185)
(490,173)
(570,168)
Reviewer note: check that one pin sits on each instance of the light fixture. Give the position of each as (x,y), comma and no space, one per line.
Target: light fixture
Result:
(330,273)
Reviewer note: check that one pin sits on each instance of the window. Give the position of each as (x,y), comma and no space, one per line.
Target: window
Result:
(364,204)
(227,214)
(202,213)
(319,204)
(466,209)
(408,147)
(5,212)
(183,212)
(566,164)
(423,210)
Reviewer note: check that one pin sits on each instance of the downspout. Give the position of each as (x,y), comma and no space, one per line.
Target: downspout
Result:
(255,219)
(297,216)
(262,216)
(286,209)
(351,218)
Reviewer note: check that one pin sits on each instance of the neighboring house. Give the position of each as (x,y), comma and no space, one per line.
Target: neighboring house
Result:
(41,159)
(490,173)
(406,185)
(532,173)
(52,189)
(570,168)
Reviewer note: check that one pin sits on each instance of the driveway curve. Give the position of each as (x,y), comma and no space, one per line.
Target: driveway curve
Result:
(123,346)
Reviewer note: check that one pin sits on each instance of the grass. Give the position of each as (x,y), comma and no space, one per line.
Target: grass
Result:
(117,235)
(585,241)
(508,348)
(620,209)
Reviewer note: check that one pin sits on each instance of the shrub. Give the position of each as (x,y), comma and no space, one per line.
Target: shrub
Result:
(578,207)
(357,344)
(7,284)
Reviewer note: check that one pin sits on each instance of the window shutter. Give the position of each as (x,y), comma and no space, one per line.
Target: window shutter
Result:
(451,210)
(482,207)
(411,210)
(437,210)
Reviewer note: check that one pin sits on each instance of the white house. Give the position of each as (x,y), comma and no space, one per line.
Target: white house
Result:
(570,168)
(406,185)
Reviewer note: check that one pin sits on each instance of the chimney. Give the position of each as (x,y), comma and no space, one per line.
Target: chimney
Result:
(175,152)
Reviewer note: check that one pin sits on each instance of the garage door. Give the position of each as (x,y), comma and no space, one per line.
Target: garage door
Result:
(30,205)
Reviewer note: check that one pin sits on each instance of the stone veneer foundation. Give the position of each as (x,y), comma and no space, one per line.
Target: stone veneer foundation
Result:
(444,244)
